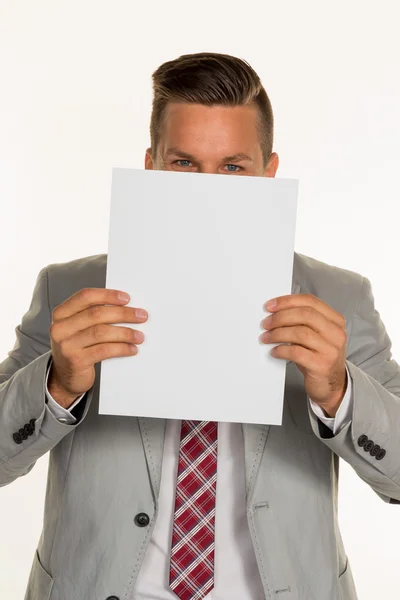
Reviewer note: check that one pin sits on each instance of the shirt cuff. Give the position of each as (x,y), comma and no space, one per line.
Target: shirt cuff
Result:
(344,412)
(61,414)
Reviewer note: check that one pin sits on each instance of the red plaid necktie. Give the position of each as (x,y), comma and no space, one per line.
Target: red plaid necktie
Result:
(192,552)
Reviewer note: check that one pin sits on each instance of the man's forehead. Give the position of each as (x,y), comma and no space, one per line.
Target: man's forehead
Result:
(193,131)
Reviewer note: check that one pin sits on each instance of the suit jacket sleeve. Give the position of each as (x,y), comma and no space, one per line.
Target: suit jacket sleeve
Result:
(376,404)
(28,429)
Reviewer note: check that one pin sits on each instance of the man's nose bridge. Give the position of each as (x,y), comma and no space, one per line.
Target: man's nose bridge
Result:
(208,168)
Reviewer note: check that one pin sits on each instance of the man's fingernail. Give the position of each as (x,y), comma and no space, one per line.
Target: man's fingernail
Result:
(271,303)
(124,297)
(142,314)
(267,322)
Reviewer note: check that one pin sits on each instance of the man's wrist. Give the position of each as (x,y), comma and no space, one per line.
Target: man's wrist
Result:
(330,410)
(60,395)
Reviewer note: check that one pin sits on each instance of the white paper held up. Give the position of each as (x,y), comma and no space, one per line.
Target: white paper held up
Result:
(202,254)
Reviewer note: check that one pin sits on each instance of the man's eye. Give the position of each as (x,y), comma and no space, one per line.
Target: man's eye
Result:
(235,169)
(187,162)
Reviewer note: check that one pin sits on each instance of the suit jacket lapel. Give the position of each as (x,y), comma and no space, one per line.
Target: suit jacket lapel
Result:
(153,433)
(255,437)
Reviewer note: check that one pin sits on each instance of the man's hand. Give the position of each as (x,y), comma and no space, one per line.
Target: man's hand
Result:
(317,337)
(82,335)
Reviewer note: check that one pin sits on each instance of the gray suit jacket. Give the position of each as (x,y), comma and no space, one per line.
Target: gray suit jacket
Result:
(104,469)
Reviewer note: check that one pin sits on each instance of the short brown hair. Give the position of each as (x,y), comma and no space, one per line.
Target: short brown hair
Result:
(210,79)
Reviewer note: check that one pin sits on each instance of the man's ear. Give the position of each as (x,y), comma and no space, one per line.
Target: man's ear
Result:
(272,165)
(148,161)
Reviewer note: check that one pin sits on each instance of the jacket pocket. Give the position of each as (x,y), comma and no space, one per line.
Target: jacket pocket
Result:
(40,583)
(346,584)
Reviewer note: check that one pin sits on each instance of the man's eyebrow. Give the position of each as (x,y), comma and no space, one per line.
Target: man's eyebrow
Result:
(234,158)
(175,150)
(238,157)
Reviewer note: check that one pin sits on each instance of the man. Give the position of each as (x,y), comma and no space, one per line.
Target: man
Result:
(142,509)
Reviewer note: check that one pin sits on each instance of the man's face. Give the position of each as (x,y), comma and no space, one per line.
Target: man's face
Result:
(217,139)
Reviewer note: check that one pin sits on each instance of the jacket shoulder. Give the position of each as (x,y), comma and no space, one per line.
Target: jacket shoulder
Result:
(335,285)
(64,279)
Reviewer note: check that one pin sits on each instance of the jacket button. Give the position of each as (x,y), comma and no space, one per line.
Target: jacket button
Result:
(23,434)
(112,598)
(17,438)
(362,440)
(32,423)
(142,520)
(28,429)
(380,454)
(369,445)
(375,450)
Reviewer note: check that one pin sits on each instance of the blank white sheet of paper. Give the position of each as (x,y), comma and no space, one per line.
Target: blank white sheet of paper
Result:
(202,253)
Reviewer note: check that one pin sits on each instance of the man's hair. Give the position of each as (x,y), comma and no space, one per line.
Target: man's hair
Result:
(210,79)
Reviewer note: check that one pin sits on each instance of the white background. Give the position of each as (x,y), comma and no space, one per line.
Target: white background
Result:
(75,81)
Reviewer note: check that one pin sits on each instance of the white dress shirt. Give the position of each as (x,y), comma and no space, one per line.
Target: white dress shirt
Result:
(236,574)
